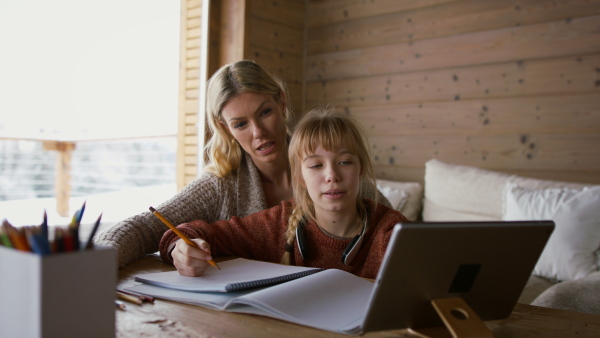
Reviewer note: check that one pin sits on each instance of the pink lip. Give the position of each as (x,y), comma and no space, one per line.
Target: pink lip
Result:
(334,194)
(270,145)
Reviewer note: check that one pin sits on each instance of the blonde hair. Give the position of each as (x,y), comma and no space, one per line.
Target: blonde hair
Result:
(224,153)
(332,131)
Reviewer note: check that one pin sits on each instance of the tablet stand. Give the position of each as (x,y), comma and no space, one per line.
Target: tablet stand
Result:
(459,319)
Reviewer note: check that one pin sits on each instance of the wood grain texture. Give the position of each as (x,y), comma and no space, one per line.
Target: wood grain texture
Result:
(545,114)
(451,18)
(416,174)
(288,67)
(285,12)
(276,41)
(276,36)
(517,78)
(574,36)
(326,12)
(285,65)
(569,152)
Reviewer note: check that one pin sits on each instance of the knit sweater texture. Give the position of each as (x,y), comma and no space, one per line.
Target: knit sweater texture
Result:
(261,236)
(209,198)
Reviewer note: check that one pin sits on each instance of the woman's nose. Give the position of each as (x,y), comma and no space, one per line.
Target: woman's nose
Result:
(258,130)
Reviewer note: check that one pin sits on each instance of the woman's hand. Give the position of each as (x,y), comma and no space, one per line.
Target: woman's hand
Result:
(190,261)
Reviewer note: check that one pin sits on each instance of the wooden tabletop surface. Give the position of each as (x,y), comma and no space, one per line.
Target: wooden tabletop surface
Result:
(171,319)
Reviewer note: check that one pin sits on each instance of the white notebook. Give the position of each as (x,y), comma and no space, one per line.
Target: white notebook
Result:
(235,275)
(303,300)
(339,294)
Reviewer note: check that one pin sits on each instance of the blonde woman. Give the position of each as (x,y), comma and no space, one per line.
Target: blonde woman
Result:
(328,224)
(249,116)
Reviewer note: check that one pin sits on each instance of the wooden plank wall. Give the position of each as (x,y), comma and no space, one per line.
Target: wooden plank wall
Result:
(276,41)
(512,86)
(189,73)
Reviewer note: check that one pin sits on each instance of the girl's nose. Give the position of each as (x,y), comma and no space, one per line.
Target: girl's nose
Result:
(332,175)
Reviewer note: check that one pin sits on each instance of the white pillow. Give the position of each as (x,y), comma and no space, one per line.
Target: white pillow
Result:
(396,197)
(405,197)
(465,193)
(460,193)
(571,251)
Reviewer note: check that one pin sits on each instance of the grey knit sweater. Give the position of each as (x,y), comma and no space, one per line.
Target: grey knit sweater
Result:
(208,198)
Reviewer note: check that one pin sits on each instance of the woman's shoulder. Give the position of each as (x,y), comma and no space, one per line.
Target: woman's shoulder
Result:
(245,172)
(210,181)
(208,191)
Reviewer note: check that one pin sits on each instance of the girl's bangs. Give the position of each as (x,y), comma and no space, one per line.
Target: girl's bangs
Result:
(331,135)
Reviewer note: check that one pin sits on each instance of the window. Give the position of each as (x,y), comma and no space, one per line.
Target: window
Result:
(88,72)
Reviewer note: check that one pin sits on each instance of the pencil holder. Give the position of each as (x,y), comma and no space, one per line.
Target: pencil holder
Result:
(69,294)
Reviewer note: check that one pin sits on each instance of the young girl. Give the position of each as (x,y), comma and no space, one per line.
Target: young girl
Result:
(326,225)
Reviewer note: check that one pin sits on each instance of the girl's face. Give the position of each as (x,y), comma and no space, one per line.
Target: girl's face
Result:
(257,122)
(332,179)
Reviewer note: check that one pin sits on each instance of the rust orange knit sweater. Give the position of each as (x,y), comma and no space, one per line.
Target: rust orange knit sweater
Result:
(261,236)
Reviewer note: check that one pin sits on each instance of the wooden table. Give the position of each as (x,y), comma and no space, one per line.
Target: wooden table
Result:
(171,319)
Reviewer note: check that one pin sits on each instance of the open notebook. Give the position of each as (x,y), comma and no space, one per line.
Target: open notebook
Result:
(235,275)
(485,263)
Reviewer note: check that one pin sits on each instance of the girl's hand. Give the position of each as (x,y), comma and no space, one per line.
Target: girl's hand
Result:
(190,261)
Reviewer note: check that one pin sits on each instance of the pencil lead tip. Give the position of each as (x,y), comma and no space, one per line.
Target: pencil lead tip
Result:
(152,209)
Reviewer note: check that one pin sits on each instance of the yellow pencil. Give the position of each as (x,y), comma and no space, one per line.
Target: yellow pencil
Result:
(129,298)
(178,233)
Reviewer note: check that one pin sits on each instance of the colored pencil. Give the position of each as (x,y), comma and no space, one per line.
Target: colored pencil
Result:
(68,240)
(144,298)
(44,228)
(4,239)
(35,241)
(74,226)
(90,243)
(58,243)
(17,237)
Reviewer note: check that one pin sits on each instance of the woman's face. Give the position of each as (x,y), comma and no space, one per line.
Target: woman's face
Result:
(257,122)
(332,179)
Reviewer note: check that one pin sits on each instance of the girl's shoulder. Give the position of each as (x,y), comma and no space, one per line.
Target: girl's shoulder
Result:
(284,209)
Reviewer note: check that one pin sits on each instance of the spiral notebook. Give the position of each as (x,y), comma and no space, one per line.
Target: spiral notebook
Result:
(235,275)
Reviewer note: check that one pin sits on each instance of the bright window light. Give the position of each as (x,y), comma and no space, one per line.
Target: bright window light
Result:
(72,68)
